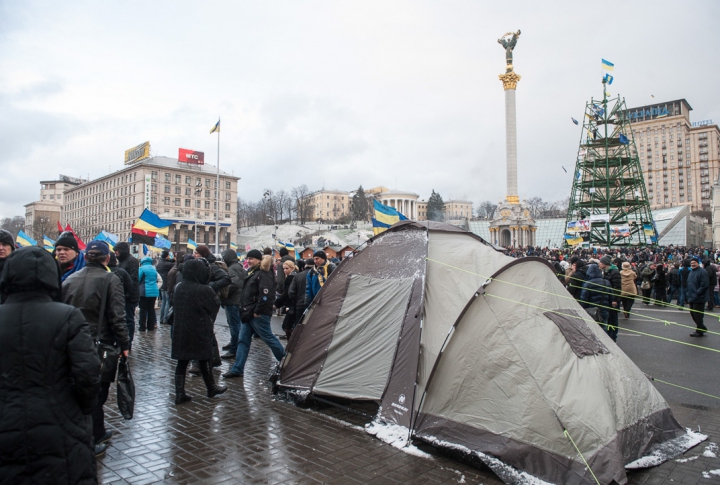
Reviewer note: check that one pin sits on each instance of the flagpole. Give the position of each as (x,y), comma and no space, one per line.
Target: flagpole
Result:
(217,194)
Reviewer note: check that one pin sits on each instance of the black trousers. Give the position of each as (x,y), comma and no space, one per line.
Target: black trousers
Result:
(147,312)
(698,315)
(98,414)
(181,367)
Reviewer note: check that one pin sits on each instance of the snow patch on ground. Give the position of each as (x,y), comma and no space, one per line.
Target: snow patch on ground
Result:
(668,450)
(711,450)
(709,473)
(505,472)
(685,460)
(396,436)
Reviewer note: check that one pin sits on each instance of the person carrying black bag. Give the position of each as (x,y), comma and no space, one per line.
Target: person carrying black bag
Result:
(98,293)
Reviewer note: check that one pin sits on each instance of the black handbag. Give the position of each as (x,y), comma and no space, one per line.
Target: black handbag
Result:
(169,317)
(125,389)
(109,354)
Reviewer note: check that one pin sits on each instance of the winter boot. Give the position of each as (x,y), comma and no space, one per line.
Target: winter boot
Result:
(212,388)
(180,396)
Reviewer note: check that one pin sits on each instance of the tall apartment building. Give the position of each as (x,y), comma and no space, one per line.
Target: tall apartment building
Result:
(328,205)
(42,216)
(183,193)
(680,160)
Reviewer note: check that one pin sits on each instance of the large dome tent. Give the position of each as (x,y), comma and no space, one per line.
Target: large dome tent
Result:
(472,350)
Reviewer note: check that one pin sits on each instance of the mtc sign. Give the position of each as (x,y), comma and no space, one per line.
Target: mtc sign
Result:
(191,156)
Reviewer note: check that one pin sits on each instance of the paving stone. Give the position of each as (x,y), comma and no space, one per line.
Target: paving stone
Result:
(246,436)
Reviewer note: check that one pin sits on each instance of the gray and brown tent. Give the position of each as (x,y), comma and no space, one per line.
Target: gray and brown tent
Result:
(473,350)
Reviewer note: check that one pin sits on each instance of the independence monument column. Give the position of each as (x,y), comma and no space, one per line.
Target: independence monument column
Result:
(511,225)
(510,80)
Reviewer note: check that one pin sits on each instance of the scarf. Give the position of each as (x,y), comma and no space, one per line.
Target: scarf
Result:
(75,266)
(322,275)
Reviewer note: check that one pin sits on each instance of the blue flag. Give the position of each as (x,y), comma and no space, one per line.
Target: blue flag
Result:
(623,139)
(575,121)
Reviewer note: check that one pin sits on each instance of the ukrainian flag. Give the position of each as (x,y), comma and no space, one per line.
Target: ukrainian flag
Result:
(24,240)
(191,244)
(151,222)
(233,246)
(573,240)
(109,238)
(385,217)
(607,65)
(216,128)
(48,243)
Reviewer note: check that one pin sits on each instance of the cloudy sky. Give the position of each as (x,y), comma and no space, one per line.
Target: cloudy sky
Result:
(336,94)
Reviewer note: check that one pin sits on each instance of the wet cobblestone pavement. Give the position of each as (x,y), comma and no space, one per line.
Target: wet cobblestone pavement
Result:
(246,436)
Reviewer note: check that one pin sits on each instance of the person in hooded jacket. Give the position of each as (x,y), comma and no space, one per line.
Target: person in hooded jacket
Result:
(256,311)
(195,307)
(232,302)
(597,293)
(175,275)
(7,246)
(128,262)
(50,377)
(149,283)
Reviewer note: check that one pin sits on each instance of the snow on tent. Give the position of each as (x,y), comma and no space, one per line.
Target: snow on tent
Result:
(471,350)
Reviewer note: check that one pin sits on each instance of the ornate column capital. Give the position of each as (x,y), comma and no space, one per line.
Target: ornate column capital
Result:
(509,80)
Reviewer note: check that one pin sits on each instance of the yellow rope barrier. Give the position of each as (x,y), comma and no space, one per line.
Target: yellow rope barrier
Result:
(581,455)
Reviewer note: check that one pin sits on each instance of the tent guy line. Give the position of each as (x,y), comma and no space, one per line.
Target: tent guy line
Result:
(686,388)
(557,312)
(570,297)
(565,432)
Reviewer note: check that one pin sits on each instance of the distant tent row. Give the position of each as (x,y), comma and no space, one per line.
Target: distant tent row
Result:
(469,349)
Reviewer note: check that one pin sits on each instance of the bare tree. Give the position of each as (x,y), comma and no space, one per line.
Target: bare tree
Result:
(303,207)
(42,225)
(487,210)
(13,225)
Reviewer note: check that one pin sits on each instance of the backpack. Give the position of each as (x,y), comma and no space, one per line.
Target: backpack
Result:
(224,293)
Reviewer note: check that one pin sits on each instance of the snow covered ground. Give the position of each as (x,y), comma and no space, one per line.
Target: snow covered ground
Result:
(261,236)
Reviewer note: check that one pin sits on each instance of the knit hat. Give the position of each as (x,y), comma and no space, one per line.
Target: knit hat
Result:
(203,251)
(67,240)
(7,238)
(606,260)
(309,262)
(99,247)
(254,253)
(320,254)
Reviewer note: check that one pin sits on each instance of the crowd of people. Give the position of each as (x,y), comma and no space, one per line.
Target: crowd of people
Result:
(609,282)
(68,316)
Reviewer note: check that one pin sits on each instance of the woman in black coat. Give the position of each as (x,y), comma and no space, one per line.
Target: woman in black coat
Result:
(50,377)
(195,307)
(284,301)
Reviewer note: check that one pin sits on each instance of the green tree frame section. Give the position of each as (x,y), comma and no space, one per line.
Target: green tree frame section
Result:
(608,180)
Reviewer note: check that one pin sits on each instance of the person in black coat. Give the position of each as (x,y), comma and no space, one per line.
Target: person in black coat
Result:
(131,265)
(712,276)
(50,377)
(296,291)
(195,307)
(577,278)
(124,277)
(284,301)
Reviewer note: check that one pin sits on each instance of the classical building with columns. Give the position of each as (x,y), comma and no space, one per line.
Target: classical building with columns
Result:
(405,202)
(512,225)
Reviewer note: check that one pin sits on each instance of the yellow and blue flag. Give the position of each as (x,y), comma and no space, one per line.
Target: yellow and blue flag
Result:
(191,245)
(110,238)
(48,244)
(24,240)
(216,128)
(607,65)
(385,217)
(608,78)
(233,246)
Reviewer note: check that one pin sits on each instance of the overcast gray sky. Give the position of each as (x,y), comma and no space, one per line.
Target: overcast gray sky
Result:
(337,94)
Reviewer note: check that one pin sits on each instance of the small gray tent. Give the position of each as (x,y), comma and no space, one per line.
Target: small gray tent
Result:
(474,350)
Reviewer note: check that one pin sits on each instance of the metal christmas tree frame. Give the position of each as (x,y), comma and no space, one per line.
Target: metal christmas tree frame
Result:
(608,204)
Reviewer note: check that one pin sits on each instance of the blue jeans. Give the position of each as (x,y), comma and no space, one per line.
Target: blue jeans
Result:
(681,298)
(165,306)
(261,326)
(232,312)
(671,292)
(130,319)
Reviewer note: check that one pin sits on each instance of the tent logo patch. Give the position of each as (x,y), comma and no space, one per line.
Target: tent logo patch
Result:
(401,399)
